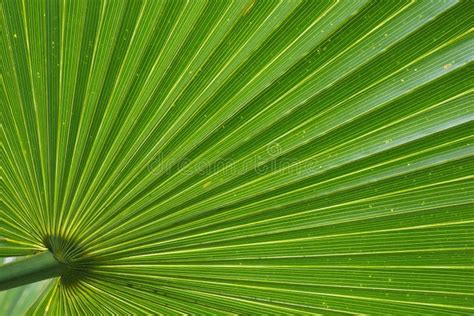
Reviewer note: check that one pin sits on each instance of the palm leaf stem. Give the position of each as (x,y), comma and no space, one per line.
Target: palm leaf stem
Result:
(29,270)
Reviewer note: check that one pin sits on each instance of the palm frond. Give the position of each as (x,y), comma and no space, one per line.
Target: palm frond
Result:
(249,157)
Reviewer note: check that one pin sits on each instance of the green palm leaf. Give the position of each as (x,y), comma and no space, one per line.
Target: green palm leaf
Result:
(238,157)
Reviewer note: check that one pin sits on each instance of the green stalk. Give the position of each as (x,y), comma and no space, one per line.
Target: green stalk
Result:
(29,270)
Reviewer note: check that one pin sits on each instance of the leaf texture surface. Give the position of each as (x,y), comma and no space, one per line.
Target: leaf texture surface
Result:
(241,157)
